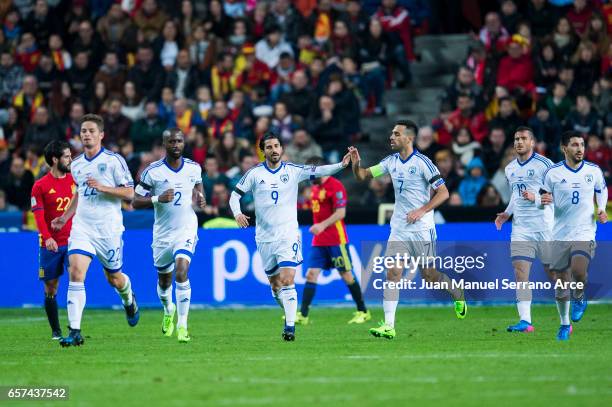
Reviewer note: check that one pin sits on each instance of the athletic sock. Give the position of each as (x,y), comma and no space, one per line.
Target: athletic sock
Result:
(355,290)
(289,298)
(126,292)
(307,296)
(183,299)
(165,297)
(389,307)
(276,296)
(51,310)
(76,303)
(524,310)
(563,306)
(455,293)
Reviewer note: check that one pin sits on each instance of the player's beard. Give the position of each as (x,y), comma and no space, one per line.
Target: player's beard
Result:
(274,159)
(64,169)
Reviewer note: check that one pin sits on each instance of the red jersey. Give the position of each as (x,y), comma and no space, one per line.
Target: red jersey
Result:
(50,198)
(325,199)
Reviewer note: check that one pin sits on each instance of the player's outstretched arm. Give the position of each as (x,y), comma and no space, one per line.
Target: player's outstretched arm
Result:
(439,197)
(339,214)
(58,223)
(241,219)
(125,193)
(362,174)
(142,202)
(200,197)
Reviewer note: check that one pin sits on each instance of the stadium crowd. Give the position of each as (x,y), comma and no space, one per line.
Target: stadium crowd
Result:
(225,72)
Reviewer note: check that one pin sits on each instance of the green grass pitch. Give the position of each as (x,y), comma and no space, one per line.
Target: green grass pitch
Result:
(237,358)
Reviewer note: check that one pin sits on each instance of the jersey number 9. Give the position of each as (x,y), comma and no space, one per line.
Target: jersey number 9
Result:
(274,196)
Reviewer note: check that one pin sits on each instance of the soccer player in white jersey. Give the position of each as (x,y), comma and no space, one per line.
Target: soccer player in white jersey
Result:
(532,222)
(574,183)
(412,225)
(274,184)
(102,180)
(170,186)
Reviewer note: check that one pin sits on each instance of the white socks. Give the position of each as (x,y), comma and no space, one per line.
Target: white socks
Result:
(524,310)
(276,296)
(183,299)
(76,303)
(563,306)
(126,292)
(165,297)
(389,308)
(289,299)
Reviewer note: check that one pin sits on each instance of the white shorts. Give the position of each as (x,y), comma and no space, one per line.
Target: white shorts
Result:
(529,246)
(166,253)
(563,252)
(282,253)
(421,243)
(108,250)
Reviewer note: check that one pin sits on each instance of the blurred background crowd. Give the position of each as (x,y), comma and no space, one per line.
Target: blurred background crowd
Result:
(225,72)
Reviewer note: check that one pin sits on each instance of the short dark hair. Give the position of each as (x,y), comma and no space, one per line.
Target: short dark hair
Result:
(409,124)
(315,161)
(583,95)
(270,135)
(97,119)
(172,131)
(521,129)
(566,136)
(55,149)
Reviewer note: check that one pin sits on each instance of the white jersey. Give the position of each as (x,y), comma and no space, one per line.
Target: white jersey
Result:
(177,218)
(573,192)
(529,176)
(98,214)
(412,180)
(275,193)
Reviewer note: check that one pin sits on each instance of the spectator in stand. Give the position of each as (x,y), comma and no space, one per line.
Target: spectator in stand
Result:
(372,51)
(247,161)
(442,126)
(133,104)
(342,42)
(146,74)
(166,106)
(326,127)
(226,152)
(395,24)
(250,72)
(507,118)
(89,41)
(46,74)
(302,147)
(281,76)
(510,16)
(445,162)
(202,48)
(464,83)
(112,74)
(516,72)
(565,39)
(62,60)
(282,123)
(300,99)
(466,116)
(270,48)
(493,148)
(28,99)
(579,16)
(150,19)
(378,192)
(80,77)
(602,95)
(212,175)
(99,101)
(114,27)
(145,132)
(132,158)
(356,18)
(166,46)
(289,20)
(11,77)
(219,200)
(493,35)
(218,23)
(42,130)
(28,53)
(598,34)
(41,22)
(346,107)
(599,153)
(547,66)
(547,131)
(184,79)
(464,146)
(72,126)
(492,109)
(116,125)
(542,17)
(473,182)
(198,145)
(587,66)
(18,184)
(583,119)
(184,117)
(4,206)
(558,102)
(220,121)
(425,142)
(489,197)
(222,77)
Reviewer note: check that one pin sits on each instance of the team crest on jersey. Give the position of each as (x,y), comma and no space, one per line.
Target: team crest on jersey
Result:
(588,178)
(284,178)
(412,170)
(102,168)
(530,173)
(322,195)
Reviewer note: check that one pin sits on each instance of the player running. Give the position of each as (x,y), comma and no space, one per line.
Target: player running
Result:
(532,222)
(573,184)
(274,184)
(102,181)
(412,224)
(51,196)
(329,244)
(169,186)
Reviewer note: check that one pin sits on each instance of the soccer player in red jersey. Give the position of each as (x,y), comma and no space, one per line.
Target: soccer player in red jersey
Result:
(51,195)
(329,244)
